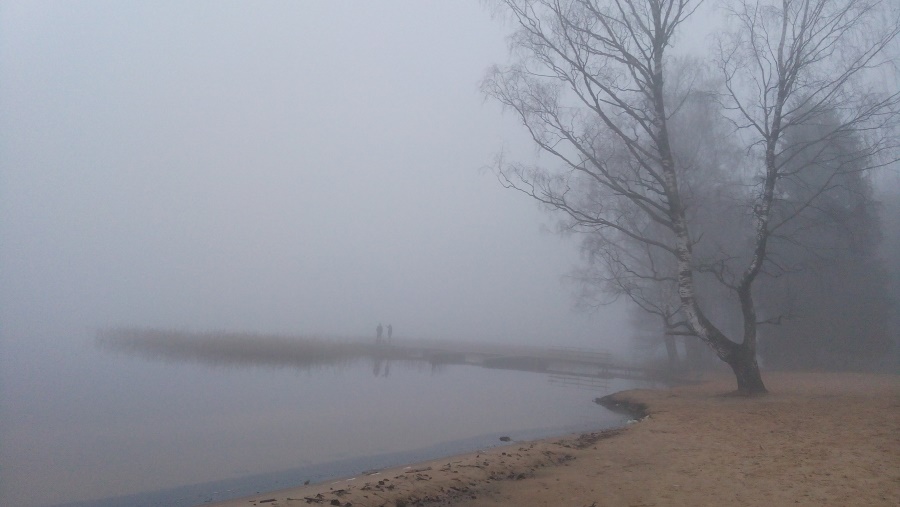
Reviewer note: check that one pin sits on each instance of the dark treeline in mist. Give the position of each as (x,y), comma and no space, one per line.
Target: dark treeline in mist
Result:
(889,206)
(728,195)
(830,292)
(827,282)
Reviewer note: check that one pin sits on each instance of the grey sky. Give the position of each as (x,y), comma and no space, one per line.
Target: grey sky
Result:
(311,167)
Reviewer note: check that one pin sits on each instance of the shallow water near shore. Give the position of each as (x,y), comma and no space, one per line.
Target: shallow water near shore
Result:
(103,429)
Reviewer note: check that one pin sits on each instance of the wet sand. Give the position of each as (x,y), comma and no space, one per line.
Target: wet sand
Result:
(817,439)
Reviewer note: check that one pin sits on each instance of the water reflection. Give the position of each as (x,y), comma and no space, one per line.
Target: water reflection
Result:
(124,425)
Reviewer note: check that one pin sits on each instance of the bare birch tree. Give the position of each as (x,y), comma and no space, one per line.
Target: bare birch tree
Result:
(815,65)
(615,265)
(588,83)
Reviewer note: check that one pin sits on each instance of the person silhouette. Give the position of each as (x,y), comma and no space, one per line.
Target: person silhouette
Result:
(378,331)
(390,332)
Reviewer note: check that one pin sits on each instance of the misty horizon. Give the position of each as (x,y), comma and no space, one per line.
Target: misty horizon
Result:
(231,175)
(210,214)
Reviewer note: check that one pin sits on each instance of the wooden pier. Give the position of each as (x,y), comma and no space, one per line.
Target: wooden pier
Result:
(559,361)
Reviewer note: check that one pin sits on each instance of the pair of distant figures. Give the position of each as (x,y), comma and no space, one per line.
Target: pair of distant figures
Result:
(379,332)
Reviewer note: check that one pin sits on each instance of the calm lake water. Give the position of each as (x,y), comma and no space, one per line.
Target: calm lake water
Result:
(86,425)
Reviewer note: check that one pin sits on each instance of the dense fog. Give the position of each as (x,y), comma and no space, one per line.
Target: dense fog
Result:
(230,198)
(309,168)
(289,168)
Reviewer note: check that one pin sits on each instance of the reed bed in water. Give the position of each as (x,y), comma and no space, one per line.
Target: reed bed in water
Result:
(231,349)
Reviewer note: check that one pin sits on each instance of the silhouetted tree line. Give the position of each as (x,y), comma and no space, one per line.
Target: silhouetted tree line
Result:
(831,295)
(830,283)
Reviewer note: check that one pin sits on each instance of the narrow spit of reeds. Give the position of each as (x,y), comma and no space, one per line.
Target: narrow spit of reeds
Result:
(234,349)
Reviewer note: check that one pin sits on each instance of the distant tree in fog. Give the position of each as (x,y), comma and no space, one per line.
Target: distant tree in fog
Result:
(589,83)
(828,280)
(888,194)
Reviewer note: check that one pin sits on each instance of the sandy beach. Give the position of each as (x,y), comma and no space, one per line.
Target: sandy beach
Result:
(816,439)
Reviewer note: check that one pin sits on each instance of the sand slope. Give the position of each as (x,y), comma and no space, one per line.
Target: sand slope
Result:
(818,439)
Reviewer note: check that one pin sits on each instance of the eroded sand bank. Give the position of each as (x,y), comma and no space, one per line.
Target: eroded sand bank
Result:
(817,439)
